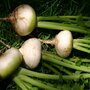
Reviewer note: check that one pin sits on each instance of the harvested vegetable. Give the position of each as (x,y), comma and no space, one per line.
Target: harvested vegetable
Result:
(63,42)
(9,61)
(31,51)
(23,19)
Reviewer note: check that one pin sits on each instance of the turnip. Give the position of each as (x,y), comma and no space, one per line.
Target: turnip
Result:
(23,19)
(63,42)
(9,61)
(31,51)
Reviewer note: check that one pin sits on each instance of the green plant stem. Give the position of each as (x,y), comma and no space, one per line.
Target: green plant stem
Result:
(58,58)
(83,45)
(81,59)
(27,72)
(61,26)
(63,69)
(55,18)
(82,40)
(85,60)
(51,68)
(67,61)
(50,59)
(36,83)
(28,85)
(76,76)
(66,77)
(19,82)
(78,47)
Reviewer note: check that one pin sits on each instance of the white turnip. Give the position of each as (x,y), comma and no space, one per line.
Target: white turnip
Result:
(23,19)
(9,61)
(63,42)
(31,51)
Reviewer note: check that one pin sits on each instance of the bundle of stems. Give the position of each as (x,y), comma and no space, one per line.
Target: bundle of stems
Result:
(50,57)
(61,18)
(44,76)
(30,80)
(82,44)
(72,23)
(27,79)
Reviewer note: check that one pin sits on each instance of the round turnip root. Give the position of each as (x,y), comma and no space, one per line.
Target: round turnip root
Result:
(31,51)
(63,42)
(9,61)
(23,19)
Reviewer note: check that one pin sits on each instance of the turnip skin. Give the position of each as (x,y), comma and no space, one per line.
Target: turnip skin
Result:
(23,19)
(9,62)
(31,51)
(64,43)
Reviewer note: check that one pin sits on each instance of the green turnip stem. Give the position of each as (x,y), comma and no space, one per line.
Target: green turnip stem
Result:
(63,69)
(85,60)
(55,19)
(51,59)
(76,76)
(73,76)
(82,40)
(35,88)
(51,68)
(78,47)
(59,58)
(69,62)
(27,72)
(35,82)
(83,45)
(81,60)
(28,85)
(61,26)
(39,18)
(19,82)
(2,42)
